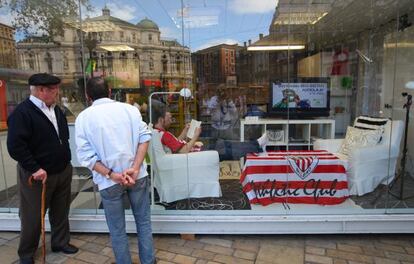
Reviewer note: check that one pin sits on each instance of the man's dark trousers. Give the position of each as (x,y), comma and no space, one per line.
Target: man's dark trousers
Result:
(58,198)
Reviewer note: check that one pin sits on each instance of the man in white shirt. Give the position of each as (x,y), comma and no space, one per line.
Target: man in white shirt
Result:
(112,141)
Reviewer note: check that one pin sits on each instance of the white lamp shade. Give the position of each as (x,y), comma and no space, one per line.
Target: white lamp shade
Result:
(185,92)
(410,85)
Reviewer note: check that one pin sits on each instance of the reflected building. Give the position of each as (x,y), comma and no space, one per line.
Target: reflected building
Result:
(129,55)
(8,57)
(252,67)
(216,64)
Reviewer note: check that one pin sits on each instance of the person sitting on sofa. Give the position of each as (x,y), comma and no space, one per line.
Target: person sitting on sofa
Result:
(228,150)
(171,143)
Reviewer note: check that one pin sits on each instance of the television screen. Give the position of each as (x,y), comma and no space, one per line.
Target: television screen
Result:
(306,96)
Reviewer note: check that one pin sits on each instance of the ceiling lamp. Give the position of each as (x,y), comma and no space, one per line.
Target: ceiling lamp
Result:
(299,18)
(275,47)
(117,48)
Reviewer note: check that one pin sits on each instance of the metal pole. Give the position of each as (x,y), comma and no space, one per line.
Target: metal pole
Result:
(404,157)
(82,49)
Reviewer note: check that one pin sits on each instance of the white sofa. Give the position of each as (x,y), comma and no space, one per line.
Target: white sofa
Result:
(367,167)
(180,176)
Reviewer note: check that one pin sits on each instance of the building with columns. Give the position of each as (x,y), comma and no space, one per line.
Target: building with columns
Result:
(130,55)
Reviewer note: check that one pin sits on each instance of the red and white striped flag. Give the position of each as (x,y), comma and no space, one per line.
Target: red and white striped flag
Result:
(312,177)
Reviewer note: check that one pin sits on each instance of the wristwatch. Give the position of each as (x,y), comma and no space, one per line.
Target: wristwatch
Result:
(108,175)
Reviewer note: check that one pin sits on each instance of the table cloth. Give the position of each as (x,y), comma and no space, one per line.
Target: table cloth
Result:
(310,177)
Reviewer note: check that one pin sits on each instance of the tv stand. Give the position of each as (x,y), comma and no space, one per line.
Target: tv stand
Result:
(305,130)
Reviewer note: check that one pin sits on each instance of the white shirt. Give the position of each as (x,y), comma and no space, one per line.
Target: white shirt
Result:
(110,131)
(48,111)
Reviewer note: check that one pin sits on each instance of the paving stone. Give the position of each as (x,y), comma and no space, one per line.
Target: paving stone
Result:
(133,247)
(244,254)
(85,237)
(396,240)
(74,261)
(174,240)
(201,261)
(204,254)
(92,247)
(163,262)
(56,258)
(339,261)
(132,238)
(219,250)
(349,248)
(3,241)
(280,254)
(180,250)
(399,256)
(319,242)
(111,261)
(107,251)
(385,261)
(77,242)
(103,240)
(135,258)
(389,247)
(346,255)
(318,259)
(13,243)
(230,259)
(8,254)
(373,251)
(184,259)
(187,237)
(262,262)
(361,240)
(194,244)
(252,246)
(161,245)
(165,255)
(217,242)
(315,250)
(213,262)
(91,257)
(290,241)
(410,250)
(9,235)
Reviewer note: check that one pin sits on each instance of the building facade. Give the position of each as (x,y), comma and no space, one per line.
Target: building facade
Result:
(215,64)
(8,57)
(130,55)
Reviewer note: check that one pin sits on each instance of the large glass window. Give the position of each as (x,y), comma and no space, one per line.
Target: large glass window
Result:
(304,105)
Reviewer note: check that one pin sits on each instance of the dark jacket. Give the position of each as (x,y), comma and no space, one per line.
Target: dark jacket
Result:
(33,142)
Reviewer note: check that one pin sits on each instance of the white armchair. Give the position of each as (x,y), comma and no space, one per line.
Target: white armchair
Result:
(367,167)
(174,181)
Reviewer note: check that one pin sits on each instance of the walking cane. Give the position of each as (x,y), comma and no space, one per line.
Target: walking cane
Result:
(42,218)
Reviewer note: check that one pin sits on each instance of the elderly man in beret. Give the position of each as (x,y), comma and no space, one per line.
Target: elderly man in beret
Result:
(38,139)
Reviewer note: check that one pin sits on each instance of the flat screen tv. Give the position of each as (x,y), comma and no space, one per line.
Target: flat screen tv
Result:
(299,98)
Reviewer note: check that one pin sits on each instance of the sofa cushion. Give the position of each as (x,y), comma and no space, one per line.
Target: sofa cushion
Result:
(370,123)
(356,137)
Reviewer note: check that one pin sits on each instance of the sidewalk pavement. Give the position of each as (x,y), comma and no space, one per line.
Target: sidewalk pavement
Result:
(240,249)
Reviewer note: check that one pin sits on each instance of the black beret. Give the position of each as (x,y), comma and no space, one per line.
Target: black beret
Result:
(43,79)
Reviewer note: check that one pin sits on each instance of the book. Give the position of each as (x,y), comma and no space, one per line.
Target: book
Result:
(193,125)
